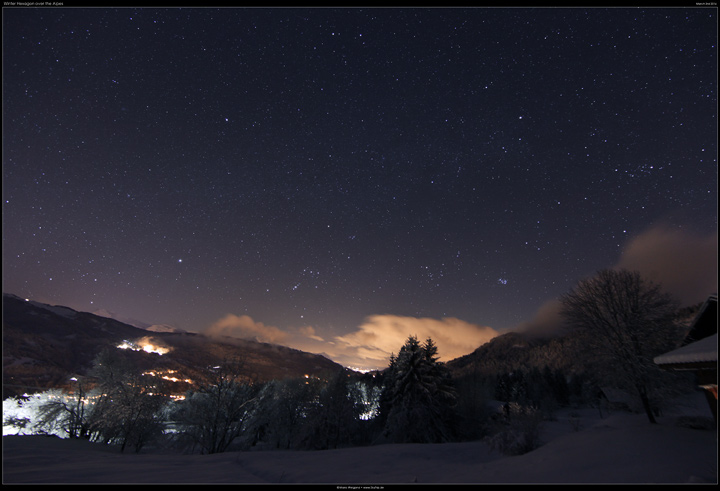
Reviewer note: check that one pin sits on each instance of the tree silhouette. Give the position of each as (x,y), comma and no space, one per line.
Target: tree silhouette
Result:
(419,395)
(128,409)
(627,321)
(213,415)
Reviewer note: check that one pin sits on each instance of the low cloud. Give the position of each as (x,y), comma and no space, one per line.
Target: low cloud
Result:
(309,332)
(684,263)
(547,321)
(380,335)
(244,327)
(370,345)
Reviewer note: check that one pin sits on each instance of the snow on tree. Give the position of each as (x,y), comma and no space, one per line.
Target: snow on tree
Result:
(68,414)
(418,396)
(212,416)
(280,411)
(627,321)
(128,410)
(52,412)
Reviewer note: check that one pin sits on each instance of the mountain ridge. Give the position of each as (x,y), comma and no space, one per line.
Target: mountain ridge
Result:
(137,323)
(45,345)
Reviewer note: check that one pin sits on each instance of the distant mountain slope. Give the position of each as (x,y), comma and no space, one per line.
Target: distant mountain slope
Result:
(137,323)
(515,351)
(44,345)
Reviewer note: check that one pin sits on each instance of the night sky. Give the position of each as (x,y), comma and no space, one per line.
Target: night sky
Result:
(336,179)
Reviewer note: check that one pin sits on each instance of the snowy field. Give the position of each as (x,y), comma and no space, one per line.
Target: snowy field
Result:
(583,448)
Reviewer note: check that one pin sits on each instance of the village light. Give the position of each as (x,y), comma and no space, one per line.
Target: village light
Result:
(143,345)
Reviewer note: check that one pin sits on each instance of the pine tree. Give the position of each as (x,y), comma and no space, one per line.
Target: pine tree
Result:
(419,396)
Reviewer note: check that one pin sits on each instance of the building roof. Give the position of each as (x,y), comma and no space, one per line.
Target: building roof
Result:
(702,351)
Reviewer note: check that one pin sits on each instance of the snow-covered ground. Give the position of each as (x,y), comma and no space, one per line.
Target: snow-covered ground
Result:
(580,447)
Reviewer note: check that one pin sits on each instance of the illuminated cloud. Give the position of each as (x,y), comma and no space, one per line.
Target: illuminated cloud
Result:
(309,332)
(372,343)
(684,263)
(244,327)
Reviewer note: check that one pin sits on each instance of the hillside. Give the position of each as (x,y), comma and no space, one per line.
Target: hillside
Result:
(514,351)
(43,346)
(517,351)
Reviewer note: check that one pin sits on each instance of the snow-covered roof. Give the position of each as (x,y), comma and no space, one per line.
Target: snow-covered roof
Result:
(700,351)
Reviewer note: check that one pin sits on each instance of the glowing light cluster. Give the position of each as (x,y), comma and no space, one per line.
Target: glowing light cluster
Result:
(143,345)
(168,377)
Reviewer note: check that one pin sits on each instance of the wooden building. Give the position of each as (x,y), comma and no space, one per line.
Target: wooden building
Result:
(698,353)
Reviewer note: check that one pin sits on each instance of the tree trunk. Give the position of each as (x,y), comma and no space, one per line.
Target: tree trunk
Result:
(646,404)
